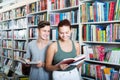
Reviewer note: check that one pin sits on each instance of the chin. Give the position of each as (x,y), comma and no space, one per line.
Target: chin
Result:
(65,39)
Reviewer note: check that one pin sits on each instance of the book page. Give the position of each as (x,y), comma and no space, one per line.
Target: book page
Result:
(79,57)
(33,62)
(25,61)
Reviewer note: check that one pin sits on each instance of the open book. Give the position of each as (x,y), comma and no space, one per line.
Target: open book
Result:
(25,61)
(73,61)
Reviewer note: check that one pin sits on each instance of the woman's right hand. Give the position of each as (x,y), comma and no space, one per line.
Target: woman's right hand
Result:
(63,66)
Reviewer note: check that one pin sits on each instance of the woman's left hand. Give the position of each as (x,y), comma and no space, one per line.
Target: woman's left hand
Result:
(79,65)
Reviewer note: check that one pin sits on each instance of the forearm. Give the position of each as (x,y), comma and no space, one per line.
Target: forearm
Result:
(52,67)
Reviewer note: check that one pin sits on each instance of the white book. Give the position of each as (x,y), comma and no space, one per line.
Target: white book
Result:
(25,61)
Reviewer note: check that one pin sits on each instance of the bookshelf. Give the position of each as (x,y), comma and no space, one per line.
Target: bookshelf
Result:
(68,9)
(99,22)
(16,25)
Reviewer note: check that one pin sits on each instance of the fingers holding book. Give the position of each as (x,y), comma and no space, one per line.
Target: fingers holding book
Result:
(63,66)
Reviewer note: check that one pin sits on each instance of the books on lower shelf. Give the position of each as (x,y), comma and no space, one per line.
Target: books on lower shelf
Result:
(73,61)
(25,61)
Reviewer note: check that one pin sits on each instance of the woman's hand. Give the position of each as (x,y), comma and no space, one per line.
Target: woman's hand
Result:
(79,65)
(63,66)
(40,64)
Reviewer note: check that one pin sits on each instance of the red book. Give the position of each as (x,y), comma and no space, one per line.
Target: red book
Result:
(57,18)
(111,11)
(52,1)
(73,61)
(98,72)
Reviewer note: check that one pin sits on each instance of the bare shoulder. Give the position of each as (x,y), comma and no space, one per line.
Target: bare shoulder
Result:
(53,45)
(52,49)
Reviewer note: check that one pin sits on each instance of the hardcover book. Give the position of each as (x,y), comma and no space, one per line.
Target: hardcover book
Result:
(73,61)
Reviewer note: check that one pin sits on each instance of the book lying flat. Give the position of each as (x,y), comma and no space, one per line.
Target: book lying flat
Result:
(73,61)
(25,61)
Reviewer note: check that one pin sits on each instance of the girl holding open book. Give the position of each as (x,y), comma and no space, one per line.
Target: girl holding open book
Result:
(61,49)
(36,52)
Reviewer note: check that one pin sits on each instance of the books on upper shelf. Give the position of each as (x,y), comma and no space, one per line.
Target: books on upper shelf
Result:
(25,61)
(73,61)
(101,33)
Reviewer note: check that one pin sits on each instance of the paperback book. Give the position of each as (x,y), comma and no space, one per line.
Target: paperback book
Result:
(25,61)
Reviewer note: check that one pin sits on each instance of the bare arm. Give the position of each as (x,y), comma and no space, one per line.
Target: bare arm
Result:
(77,46)
(49,58)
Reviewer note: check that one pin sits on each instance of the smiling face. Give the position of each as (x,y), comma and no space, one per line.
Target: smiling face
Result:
(43,33)
(64,33)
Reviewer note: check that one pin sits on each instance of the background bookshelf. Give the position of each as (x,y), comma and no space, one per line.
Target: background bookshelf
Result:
(95,25)
(64,9)
(15,24)
(100,23)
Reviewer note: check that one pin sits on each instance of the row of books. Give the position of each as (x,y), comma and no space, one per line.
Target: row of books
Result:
(20,45)
(16,24)
(31,8)
(7,53)
(22,11)
(72,16)
(7,43)
(74,34)
(42,5)
(34,19)
(7,34)
(18,55)
(18,12)
(33,33)
(102,33)
(102,53)
(99,11)
(15,13)
(35,7)
(6,25)
(20,34)
(19,23)
(99,72)
(6,15)
(59,4)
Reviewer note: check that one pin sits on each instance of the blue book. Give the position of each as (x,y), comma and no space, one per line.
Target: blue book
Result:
(106,10)
(61,16)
